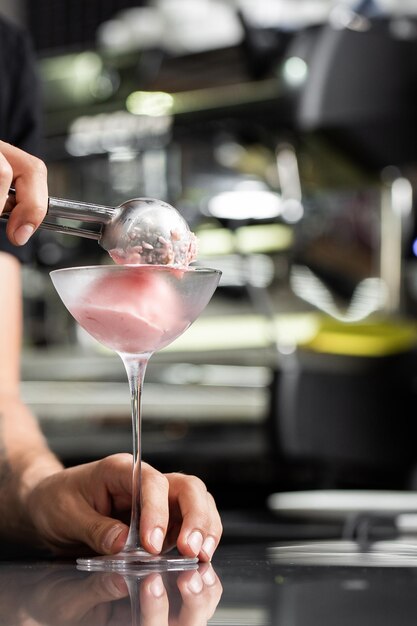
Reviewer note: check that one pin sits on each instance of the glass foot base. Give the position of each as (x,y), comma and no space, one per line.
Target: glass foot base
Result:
(136,561)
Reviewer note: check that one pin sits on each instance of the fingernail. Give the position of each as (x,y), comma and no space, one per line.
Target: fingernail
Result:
(23,233)
(209,577)
(195,584)
(111,537)
(157,587)
(157,538)
(195,541)
(209,546)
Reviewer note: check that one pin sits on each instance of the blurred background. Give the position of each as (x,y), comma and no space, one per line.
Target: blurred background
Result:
(285,133)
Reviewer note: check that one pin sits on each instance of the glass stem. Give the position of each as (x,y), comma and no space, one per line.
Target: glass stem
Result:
(135,366)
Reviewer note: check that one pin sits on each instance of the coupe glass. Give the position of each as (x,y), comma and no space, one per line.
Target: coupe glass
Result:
(135,310)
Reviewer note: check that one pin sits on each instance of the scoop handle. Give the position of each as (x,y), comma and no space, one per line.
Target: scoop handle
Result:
(56,209)
(71,209)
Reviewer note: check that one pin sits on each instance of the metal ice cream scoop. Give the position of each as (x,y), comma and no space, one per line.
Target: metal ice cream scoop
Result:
(141,230)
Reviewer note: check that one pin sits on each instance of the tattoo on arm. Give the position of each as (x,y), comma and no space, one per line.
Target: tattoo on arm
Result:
(5,469)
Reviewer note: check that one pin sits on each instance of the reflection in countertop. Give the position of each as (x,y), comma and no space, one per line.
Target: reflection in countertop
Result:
(59,594)
(245,584)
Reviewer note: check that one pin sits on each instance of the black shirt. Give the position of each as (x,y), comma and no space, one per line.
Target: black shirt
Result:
(19,104)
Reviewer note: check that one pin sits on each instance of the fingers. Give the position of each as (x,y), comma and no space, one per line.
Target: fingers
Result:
(201,527)
(155,510)
(178,508)
(29,176)
(111,486)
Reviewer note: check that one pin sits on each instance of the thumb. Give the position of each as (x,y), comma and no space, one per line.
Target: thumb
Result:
(102,534)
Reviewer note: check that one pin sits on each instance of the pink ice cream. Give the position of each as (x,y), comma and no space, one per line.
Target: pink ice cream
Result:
(174,249)
(134,311)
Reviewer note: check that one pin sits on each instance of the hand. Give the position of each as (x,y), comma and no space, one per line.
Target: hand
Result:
(85,505)
(29,177)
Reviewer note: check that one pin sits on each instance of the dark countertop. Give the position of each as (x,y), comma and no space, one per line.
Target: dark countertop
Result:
(253,585)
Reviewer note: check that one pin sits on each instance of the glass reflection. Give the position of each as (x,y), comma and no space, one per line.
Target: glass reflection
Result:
(64,596)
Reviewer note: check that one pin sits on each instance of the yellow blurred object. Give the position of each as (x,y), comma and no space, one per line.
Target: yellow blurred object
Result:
(374,338)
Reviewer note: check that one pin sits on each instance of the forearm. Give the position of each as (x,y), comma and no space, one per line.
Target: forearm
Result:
(25,460)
